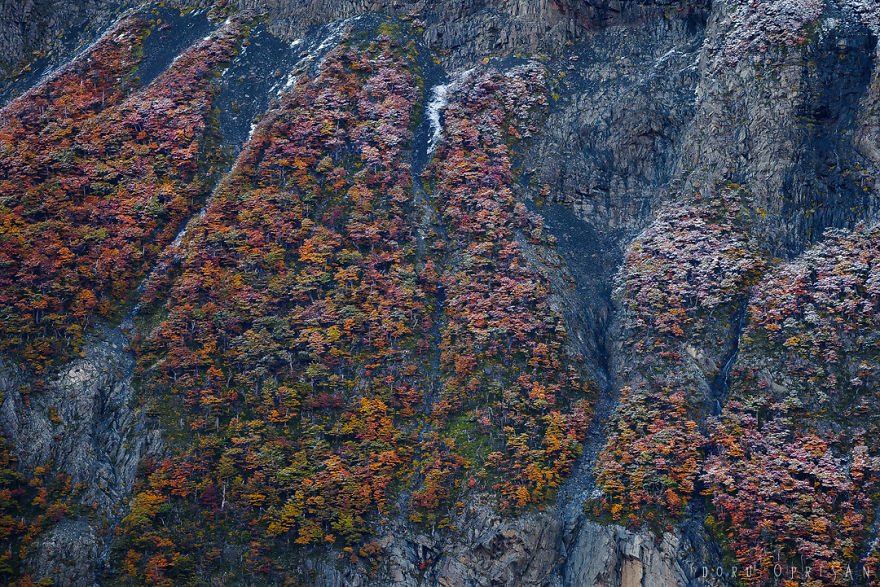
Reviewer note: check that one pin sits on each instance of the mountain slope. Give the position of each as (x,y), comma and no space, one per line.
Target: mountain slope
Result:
(353,293)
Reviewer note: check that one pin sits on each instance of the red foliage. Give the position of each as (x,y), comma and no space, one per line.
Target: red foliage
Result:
(304,318)
(682,277)
(291,328)
(798,445)
(95,181)
(502,346)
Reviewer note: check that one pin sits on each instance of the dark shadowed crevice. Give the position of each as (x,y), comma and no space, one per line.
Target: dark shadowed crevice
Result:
(172,34)
(720,384)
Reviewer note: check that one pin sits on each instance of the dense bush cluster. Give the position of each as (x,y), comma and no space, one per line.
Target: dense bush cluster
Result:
(788,480)
(28,506)
(291,341)
(680,285)
(316,355)
(503,349)
(95,179)
(686,269)
(787,477)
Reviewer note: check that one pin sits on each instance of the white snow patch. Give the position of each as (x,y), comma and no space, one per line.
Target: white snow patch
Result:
(291,81)
(334,35)
(439,100)
(438,103)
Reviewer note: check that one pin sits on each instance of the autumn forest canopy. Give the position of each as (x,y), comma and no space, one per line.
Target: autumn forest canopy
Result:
(336,338)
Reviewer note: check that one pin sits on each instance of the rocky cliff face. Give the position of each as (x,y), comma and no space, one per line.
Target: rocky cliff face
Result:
(440,293)
(83,424)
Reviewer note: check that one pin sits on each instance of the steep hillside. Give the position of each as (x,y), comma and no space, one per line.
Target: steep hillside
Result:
(439,293)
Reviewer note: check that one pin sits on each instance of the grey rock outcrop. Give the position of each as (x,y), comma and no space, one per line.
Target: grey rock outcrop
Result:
(81,421)
(532,550)
(782,120)
(67,553)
